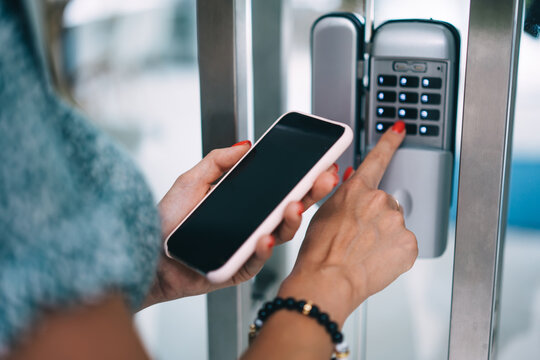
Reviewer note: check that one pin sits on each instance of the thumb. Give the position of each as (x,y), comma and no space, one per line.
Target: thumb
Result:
(217,162)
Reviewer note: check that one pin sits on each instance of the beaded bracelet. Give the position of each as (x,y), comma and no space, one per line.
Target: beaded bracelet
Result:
(341,349)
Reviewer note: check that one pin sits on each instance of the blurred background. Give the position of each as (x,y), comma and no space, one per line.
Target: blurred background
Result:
(131,65)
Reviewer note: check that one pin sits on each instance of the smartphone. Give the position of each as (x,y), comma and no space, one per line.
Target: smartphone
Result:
(221,233)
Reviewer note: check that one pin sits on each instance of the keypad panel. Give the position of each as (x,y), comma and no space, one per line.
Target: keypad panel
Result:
(412,90)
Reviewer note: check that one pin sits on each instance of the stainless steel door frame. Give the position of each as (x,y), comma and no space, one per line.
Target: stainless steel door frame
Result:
(488,114)
(224,51)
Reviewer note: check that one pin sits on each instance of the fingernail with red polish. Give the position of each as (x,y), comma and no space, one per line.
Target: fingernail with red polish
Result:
(336,167)
(336,180)
(300,208)
(271,242)
(243,143)
(398,127)
(347,173)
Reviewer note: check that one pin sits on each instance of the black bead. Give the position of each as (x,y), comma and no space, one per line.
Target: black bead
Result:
(323,318)
(331,327)
(269,307)
(289,303)
(262,314)
(300,305)
(337,337)
(314,311)
(278,303)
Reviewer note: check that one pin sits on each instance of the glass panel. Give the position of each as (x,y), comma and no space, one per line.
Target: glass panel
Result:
(411,318)
(519,329)
(132,67)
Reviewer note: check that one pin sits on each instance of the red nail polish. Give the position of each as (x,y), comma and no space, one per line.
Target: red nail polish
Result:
(336,166)
(398,127)
(336,180)
(243,143)
(300,208)
(347,173)
(272,242)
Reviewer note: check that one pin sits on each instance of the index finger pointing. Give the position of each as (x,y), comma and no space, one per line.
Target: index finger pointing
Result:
(374,165)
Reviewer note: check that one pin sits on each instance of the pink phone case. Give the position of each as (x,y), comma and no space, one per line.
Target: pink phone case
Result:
(243,253)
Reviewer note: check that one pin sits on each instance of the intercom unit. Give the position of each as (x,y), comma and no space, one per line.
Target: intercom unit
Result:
(413,68)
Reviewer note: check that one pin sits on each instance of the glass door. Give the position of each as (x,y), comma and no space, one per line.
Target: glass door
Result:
(519,329)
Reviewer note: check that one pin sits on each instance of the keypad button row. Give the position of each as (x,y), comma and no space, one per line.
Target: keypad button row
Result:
(407,97)
(412,129)
(409,81)
(407,113)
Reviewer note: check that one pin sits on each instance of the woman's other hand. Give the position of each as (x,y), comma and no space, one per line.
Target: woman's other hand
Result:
(357,242)
(175,280)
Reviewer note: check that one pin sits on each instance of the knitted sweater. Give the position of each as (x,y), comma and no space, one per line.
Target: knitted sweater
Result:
(76,217)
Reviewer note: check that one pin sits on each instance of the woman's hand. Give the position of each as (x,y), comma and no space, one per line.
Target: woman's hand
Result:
(175,280)
(357,242)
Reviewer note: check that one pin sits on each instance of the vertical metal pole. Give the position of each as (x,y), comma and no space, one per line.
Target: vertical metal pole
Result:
(224,48)
(490,83)
(268,63)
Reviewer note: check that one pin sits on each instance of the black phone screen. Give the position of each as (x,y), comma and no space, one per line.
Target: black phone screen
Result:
(245,198)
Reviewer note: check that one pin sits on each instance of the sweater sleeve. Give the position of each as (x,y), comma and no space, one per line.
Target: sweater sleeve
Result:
(77,219)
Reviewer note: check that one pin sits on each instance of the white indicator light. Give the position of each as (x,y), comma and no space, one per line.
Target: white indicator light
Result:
(380,127)
(403,81)
(402,97)
(423,114)
(425,82)
(381,96)
(401,112)
(424,98)
(380,111)
(381,80)
(423,129)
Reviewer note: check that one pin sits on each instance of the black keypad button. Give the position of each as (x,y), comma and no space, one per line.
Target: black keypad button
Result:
(429,130)
(386,112)
(430,114)
(408,113)
(411,129)
(431,83)
(387,80)
(409,81)
(386,96)
(408,97)
(433,99)
(382,126)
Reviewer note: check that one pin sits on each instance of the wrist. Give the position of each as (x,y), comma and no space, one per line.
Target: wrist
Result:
(332,294)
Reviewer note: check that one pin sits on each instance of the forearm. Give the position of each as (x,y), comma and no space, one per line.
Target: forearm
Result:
(100,331)
(290,335)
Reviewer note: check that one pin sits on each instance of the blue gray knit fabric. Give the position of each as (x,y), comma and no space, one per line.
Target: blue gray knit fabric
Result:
(76,217)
